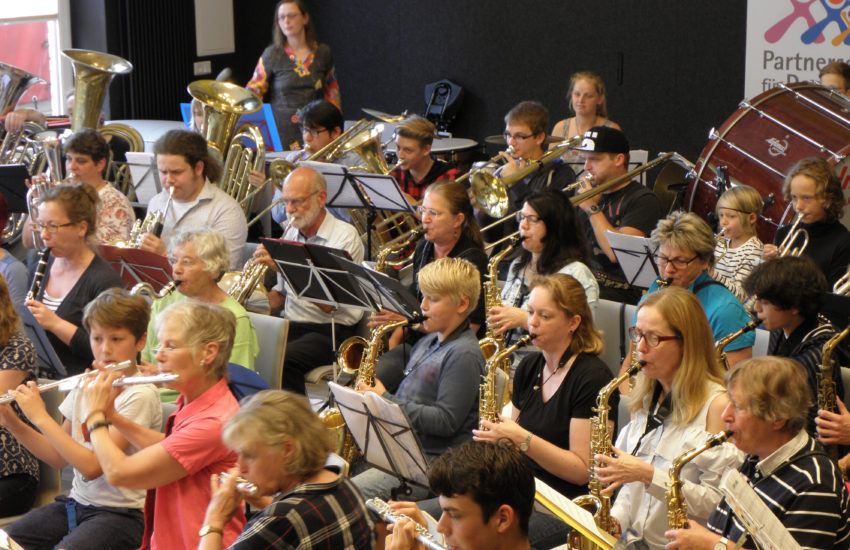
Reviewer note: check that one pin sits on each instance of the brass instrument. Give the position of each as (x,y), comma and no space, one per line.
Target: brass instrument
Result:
(493,343)
(786,247)
(153,223)
(601,438)
(383,510)
(242,285)
(93,71)
(147,290)
(826,385)
(17,147)
(381,263)
(357,356)
(38,276)
(489,166)
(489,403)
(677,508)
(842,285)
(721,344)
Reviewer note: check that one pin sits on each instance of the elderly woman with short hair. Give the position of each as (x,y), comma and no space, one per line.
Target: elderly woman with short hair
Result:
(199,257)
(796,479)
(195,342)
(282,447)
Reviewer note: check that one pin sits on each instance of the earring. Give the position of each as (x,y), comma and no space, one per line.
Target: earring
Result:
(203,362)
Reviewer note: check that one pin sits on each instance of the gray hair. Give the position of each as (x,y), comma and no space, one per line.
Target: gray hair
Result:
(204,323)
(210,247)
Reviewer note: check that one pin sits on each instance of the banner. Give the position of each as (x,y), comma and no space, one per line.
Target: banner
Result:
(792,40)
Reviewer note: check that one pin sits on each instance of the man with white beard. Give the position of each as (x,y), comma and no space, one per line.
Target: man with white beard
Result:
(309,342)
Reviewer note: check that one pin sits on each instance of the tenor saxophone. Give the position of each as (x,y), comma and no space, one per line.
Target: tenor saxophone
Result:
(721,344)
(601,438)
(826,385)
(677,508)
(492,343)
(488,404)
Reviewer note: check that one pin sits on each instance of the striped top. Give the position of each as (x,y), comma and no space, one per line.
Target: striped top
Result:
(804,488)
(736,264)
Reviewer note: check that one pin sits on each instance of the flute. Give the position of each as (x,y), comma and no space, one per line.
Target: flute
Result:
(390,516)
(242,484)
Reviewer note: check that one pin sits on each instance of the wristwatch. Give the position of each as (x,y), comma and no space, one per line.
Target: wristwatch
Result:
(721,544)
(524,445)
(207,529)
(594,208)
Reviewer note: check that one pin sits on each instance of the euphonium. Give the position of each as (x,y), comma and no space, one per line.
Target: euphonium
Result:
(842,285)
(246,281)
(14,82)
(489,404)
(826,385)
(492,342)
(147,290)
(721,344)
(38,276)
(786,247)
(601,438)
(677,508)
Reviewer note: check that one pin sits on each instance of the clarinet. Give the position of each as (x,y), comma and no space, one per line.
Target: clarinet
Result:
(38,276)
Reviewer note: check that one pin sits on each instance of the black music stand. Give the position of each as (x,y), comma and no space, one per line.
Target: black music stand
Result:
(373,192)
(49,364)
(137,266)
(13,187)
(387,293)
(382,431)
(635,256)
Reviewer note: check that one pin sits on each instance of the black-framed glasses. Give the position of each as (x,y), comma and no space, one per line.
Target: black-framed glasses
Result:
(530,218)
(652,340)
(678,263)
(51,227)
(313,131)
(518,137)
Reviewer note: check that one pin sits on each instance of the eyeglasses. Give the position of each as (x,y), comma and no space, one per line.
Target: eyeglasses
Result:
(297,203)
(313,131)
(652,340)
(51,227)
(421,210)
(530,218)
(518,137)
(662,261)
(184,261)
(167,349)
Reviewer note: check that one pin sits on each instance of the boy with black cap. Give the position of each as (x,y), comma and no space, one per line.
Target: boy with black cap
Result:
(628,208)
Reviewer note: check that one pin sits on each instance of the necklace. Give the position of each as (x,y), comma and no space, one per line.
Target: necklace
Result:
(564,359)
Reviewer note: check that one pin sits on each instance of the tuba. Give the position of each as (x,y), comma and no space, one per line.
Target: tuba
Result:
(489,400)
(677,508)
(93,71)
(826,385)
(601,438)
(721,344)
(16,147)
(492,343)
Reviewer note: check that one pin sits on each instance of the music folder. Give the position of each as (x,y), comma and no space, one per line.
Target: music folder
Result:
(572,514)
(13,186)
(137,266)
(635,256)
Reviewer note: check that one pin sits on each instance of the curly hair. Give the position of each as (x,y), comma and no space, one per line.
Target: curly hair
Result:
(192,147)
(789,282)
(773,388)
(827,185)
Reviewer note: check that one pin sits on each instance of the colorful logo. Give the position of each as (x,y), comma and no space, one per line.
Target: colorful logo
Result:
(835,11)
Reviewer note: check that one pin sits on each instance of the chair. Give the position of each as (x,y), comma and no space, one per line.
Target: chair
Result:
(271,333)
(614,320)
(845,381)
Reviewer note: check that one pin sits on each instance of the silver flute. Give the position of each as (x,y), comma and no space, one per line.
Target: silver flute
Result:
(383,510)
(242,484)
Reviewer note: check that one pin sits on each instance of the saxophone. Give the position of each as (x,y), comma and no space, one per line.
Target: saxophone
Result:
(38,276)
(600,444)
(146,290)
(332,417)
(493,343)
(677,508)
(381,263)
(721,344)
(826,385)
(488,404)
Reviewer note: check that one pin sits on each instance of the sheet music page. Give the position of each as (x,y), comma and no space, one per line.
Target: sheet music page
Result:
(631,253)
(353,409)
(404,448)
(577,513)
(762,524)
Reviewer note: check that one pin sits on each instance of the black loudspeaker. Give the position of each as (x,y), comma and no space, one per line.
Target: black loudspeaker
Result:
(443,99)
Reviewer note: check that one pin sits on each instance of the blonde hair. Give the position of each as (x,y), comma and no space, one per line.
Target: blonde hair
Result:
(596,81)
(417,128)
(453,277)
(204,323)
(682,311)
(827,185)
(272,417)
(569,296)
(685,230)
(744,200)
(210,247)
(774,388)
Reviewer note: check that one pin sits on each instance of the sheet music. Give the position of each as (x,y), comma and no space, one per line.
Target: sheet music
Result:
(144,175)
(761,523)
(634,254)
(575,512)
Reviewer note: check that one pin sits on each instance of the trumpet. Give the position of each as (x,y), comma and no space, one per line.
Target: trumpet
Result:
(842,285)
(786,247)
(242,484)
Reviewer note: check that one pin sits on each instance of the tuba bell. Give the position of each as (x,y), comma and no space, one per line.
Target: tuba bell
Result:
(93,71)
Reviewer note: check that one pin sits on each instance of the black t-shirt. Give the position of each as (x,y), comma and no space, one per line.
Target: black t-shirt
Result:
(575,398)
(829,247)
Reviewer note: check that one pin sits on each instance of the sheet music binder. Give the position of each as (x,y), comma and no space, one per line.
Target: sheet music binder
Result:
(572,514)
(387,293)
(137,266)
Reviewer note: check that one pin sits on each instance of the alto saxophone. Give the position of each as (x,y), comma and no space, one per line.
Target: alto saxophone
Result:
(147,290)
(677,508)
(488,405)
(332,417)
(381,263)
(826,385)
(38,276)
(601,438)
(721,344)
(492,343)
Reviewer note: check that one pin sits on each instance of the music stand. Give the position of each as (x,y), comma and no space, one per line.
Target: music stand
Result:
(387,293)
(13,187)
(361,190)
(144,175)
(382,431)
(137,266)
(49,364)
(635,256)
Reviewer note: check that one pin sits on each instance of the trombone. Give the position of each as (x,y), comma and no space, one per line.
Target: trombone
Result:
(786,247)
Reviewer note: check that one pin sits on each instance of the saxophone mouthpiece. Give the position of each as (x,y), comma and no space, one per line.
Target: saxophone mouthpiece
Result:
(719,438)
(417,318)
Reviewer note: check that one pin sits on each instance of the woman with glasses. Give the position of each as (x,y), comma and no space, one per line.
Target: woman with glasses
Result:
(551,243)
(296,69)
(195,343)
(67,218)
(676,403)
(450,231)
(199,257)
(554,393)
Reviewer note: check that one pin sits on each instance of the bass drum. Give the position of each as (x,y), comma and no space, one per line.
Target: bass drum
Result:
(764,138)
